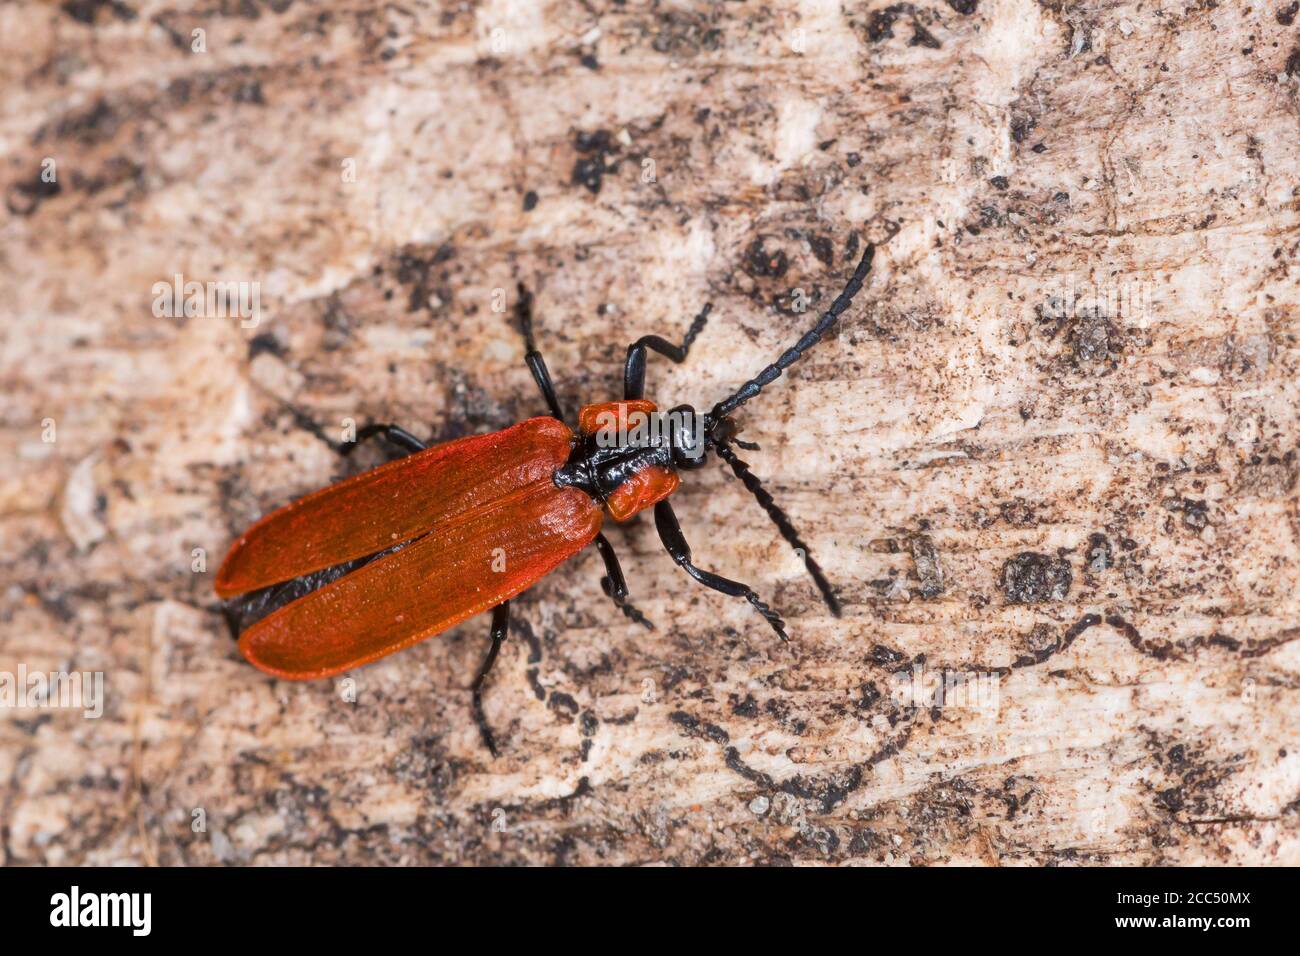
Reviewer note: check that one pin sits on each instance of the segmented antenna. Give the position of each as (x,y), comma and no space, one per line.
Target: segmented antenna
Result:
(811,338)
(782,521)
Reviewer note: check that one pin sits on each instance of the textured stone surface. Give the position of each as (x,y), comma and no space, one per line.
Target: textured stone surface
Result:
(1079,345)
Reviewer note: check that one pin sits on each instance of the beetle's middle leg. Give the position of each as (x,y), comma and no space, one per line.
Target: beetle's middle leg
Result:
(615,585)
(634,370)
(396,434)
(500,628)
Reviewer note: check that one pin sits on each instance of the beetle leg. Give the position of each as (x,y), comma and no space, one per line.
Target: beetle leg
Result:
(536,364)
(394,433)
(634,370)
(500,627)
(670,533)
(615,586)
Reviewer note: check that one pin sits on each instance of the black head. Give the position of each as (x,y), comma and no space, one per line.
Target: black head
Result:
(688,436)
(692,435)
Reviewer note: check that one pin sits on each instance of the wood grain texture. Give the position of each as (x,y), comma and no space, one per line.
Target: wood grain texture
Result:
(1050,456)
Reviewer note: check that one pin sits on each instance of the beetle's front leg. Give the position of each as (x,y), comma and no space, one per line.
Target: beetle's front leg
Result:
(670,533)
(634,369)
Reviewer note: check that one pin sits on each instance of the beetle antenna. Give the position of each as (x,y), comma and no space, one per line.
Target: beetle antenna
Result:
(810,338)
(782,522)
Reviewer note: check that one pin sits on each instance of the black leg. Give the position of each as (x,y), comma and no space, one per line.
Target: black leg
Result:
(394,433)
(634,370)
(536,364)
(782,522)
(500,626)
(614,585)
(670,533)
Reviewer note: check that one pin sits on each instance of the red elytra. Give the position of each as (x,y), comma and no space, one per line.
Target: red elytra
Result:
(485,521)
(481,513)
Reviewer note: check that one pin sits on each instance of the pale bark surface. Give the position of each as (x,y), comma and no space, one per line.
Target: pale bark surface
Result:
(1141,450)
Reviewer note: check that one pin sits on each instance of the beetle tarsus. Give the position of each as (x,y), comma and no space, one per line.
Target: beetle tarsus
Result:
(615,585)
(484,731)
(630,610)
(771,616)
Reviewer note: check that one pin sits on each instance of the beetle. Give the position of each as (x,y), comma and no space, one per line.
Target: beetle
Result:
(394,555)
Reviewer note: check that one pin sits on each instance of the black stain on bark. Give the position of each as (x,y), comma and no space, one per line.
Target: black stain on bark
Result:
(1032,578)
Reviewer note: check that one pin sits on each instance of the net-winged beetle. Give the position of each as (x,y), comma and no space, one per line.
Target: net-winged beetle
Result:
(389,557)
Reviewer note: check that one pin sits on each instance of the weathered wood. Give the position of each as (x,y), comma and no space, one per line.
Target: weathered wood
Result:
(1052,449)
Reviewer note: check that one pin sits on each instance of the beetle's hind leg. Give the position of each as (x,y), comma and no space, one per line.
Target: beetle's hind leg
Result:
(500,627)
(670,533)
(615,586)
(396,434)
(634,370)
